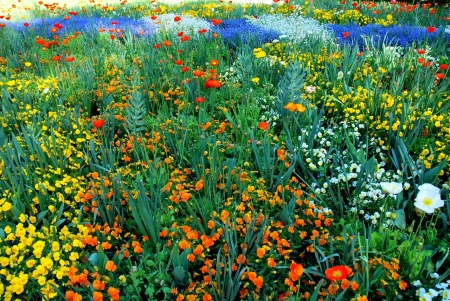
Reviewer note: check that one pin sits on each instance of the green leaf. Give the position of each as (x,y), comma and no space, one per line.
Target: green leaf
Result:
(400,220)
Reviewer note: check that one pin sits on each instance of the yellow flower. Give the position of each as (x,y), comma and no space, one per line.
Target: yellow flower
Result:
(255,80)
(389,17)
(55,246)
(27,64)
(41,280)
(122,278)
(30,263)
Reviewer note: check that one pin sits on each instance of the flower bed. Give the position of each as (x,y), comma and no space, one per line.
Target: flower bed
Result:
(224,152)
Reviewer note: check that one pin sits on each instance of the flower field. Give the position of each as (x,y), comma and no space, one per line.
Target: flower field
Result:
(296,150)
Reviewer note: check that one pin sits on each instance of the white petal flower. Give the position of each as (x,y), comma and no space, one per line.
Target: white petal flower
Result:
(391,187)
(428,199)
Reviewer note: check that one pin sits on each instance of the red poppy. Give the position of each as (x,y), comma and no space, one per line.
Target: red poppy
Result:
(216,22)
(98,123)
(59,26)
(214,62)
(2,24)
(263,125)
(184,69)
(343,2)
(153,17)
(177,18)
(355,4)
(184,38)
(180,34)
(439,76)
(114,22)
(198,73)
(212,83)
(69,59)
(199,99)
(26,24)
(345,34)
(203,30)
(420,51)
(167,43)
(179,62)
(431,29)
(157,46)
(73,13)
(443,66)
(112,37)
(56,58)
(338,272)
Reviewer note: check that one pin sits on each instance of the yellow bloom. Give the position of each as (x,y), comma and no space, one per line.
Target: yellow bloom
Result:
(255,80)
(27,64)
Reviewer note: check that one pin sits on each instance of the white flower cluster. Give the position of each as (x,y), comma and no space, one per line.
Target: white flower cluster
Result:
(441,290)
(266,104)
(187,24)
(293,27)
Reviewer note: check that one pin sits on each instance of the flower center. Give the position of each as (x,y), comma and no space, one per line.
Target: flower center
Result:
(337,274)
(427,201)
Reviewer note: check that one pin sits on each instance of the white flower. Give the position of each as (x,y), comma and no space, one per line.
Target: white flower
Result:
(340,75)
(391,187)
(435,275)
(45,91)
(310,89)
(428,199)
(417,283)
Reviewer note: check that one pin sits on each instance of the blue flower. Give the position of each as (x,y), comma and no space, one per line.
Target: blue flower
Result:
(399,35)
(89,25)
(239,31)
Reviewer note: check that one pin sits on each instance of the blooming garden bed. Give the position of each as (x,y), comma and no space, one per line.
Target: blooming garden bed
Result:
(214,151)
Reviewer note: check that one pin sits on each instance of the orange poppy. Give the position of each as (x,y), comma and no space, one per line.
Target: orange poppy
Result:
(198,73)
(56,58)
(203,30)
(98,123)
(296,271)
(69,59)
(338,272)
(212,83)
(199,99)
(439,76)
(184,38)
(216,22)
(263,125)
(167,43)
(214,62)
